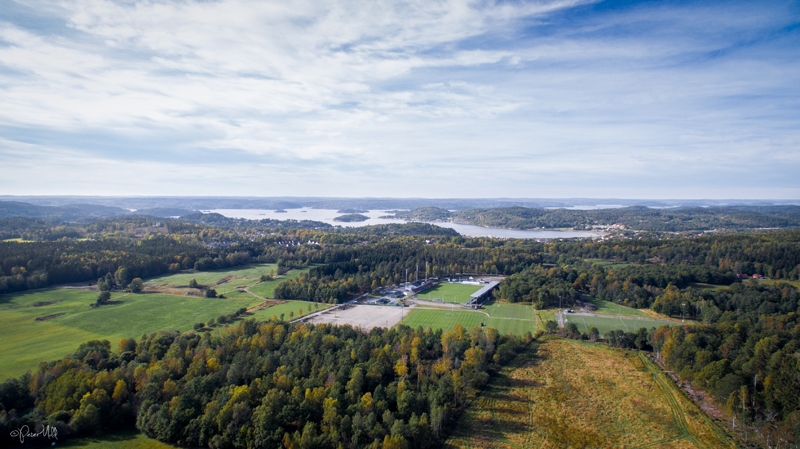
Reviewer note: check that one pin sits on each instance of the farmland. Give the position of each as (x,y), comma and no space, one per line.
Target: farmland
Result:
(565,394)
(71,322)
(449,292)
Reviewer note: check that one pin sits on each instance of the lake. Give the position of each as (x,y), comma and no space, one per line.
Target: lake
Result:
(327,216)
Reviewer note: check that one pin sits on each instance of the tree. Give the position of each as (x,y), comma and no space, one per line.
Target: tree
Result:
(193,283)
(211,293)
(551,326)
(103,297)
(136,285)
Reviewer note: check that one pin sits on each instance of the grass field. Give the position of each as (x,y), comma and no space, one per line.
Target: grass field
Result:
(447,319)
(26,342)
(126,439)
(211,277)
(565,394)
(267,289)
(286,308)
(610,308)
(604,325)
(448,292)
(608,263)
(501,310)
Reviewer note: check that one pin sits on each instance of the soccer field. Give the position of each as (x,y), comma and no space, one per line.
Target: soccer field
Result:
(449,292)
(446,319)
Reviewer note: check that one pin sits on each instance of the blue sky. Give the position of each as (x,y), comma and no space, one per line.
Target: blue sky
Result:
(401,98)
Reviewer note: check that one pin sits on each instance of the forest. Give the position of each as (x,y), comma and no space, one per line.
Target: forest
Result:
(266,385)
(338,387)
(638,218)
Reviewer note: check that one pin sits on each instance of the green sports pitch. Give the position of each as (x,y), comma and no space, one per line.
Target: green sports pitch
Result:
(450,292)
(446,319)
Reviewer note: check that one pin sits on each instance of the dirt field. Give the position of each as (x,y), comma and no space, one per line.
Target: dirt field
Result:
(364,317)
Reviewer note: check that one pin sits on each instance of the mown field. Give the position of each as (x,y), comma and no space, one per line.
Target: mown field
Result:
(449,292)
(26,342)
(294,307)
(566,394)
(608,263)
(607,324)
(212,277)
(610,308)
(446,319)
(267,289)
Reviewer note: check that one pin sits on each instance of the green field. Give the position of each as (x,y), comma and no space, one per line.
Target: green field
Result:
(267,289)
(614,309)
(447,319)
(212,277)
(605,325)
(448,292)
(125,439)
(608,263)
(285,308)
(501,310)
(27,342)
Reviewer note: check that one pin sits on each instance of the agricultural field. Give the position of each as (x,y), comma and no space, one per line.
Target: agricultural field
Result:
(607,324)
(566,394)
(68,321)
(212,277)
(449,292)
(446,319)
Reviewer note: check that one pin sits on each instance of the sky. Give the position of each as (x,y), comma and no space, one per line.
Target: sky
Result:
(383,98)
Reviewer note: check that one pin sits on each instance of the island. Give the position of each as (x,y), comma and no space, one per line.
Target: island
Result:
(351,218)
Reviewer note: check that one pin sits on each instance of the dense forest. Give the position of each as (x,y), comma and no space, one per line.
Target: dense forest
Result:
(266,385)
(637,218)
(327,386)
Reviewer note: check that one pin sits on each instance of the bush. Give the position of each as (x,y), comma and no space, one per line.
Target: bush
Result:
(198,326)
(211,293)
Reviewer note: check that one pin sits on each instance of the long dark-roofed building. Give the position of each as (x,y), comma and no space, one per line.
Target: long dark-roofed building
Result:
(483,294)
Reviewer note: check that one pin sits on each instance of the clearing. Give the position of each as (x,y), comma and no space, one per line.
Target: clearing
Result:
(565,394)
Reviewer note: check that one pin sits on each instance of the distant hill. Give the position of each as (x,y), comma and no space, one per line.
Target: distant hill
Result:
(639,218)
(66,213)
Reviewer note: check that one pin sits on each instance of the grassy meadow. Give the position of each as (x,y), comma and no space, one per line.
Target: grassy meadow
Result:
(126,439)
(449,292)
(565,394)
(267,289)
(607,324)
(614,309)
(212,277)
(288,307)
(26,342)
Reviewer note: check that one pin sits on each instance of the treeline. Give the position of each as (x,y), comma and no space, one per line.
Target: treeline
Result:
(746,361)
(349,269)
(266,385)
(635,217)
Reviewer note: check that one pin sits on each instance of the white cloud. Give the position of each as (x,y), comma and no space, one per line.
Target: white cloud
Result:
(370,90)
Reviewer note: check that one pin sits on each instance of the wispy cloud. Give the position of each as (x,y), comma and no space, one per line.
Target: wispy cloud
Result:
(446,98)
